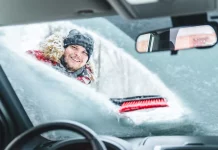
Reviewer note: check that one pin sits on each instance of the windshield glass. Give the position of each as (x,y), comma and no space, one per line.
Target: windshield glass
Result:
(59,77)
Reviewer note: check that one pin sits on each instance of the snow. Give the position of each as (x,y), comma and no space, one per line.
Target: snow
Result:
(48,95)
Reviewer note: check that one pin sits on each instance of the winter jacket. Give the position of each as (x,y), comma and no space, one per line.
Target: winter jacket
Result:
(84,74)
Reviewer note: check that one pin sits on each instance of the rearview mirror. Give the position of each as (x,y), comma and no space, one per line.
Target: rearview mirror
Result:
(177,39)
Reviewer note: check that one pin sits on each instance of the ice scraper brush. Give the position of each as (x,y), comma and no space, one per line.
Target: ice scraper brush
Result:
(139,102)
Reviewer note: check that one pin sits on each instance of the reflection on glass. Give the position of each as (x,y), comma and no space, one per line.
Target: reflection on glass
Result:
(191,37)
(137,2)
(143,43)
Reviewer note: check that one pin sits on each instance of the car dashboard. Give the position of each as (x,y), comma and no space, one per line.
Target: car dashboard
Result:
(147,143)
(110,142)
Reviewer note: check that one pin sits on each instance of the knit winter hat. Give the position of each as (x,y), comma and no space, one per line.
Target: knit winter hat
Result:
(77,38)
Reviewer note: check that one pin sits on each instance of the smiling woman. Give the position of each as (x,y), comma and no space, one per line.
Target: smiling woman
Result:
(75,57)
(69,55)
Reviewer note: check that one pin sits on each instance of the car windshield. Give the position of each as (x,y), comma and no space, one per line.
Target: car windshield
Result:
(113,69)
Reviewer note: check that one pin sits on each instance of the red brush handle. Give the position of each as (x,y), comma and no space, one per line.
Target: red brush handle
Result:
(143,104)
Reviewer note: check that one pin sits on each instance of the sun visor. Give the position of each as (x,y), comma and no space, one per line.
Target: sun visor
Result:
(31,11)
(139,9)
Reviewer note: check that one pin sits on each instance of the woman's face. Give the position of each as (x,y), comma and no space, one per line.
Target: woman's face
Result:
(75,57)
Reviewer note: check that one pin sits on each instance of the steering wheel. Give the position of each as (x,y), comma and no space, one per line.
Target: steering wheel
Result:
(89,134)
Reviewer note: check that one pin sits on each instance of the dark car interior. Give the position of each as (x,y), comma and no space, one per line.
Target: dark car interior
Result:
(16,129)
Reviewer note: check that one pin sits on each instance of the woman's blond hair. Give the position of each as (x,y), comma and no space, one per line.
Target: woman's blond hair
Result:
(52,47)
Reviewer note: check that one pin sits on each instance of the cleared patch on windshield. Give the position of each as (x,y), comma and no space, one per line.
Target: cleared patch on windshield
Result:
(64,72)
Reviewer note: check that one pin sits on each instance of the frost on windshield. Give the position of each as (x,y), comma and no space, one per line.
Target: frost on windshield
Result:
(48,95)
